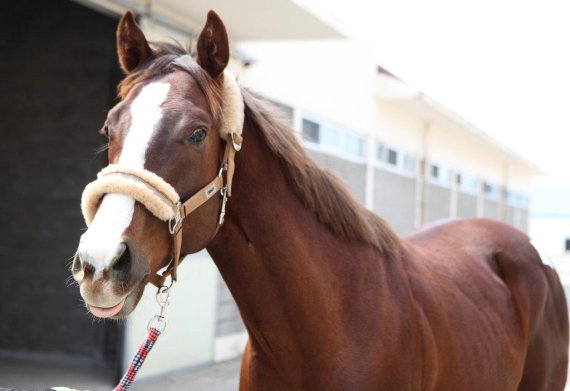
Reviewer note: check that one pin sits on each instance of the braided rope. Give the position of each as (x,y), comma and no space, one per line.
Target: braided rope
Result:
(138,360)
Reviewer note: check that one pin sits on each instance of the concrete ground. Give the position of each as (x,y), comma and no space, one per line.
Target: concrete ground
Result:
(223,376)
(29,375)
(22,375)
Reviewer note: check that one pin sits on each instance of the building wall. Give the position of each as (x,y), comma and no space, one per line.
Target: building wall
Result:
(228,317)
(394,199)
(438,202)
(491,209)
(352,174)
(466,205)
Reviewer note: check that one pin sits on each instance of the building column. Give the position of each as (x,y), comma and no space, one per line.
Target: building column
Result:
(453,196)
(369,179)
(480,198)
(422,183)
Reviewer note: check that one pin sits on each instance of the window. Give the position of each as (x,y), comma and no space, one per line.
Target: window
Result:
(409,163)
(567,245)
(311,130)
(439,174)
(333,139)
(490,190)
(330,136)
(467,183)
(379,152)
(511,197)
(434,171)
(354,145)
(392,157)
(523,201)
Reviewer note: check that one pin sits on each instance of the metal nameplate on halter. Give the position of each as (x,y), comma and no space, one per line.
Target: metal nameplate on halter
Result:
(211,191)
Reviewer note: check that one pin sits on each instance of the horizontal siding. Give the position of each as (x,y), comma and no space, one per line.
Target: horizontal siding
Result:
(438,205)
(466,205)
(524,220)
(491,209)
(394,200)
(510,215)
(228,320)
(353,174)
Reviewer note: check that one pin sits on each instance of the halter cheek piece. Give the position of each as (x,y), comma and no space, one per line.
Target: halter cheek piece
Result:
(159,197)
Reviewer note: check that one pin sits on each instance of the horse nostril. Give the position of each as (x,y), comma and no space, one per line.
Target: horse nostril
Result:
(122,262)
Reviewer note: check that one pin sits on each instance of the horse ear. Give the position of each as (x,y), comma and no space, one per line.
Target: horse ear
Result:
(213,46)
(132,47)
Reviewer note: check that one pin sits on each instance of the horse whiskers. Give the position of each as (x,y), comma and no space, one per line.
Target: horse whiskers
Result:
(102,148)
(70,281)
(71,259)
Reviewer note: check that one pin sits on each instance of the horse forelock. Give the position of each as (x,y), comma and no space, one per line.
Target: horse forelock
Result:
(166,59)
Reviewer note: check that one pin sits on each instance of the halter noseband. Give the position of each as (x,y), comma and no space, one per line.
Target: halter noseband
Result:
(159,197)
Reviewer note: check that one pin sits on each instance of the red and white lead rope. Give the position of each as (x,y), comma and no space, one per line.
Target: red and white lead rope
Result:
(138,360)
(163,298)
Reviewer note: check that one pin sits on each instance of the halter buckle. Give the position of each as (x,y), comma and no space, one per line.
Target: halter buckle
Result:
(175,222)
(223,169)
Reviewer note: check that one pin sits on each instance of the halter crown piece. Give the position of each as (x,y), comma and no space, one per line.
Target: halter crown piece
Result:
(159,197)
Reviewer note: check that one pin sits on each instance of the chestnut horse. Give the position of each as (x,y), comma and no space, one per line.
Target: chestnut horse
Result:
(332,299)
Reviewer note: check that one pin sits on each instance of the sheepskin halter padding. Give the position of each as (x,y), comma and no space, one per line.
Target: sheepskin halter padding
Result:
(158,196)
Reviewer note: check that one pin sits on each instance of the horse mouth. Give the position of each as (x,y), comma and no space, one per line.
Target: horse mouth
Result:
(106,312)
(122,308)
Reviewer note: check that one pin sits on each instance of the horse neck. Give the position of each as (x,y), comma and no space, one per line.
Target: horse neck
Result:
(298,286)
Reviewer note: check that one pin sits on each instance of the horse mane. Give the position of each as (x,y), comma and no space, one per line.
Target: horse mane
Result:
(319,189)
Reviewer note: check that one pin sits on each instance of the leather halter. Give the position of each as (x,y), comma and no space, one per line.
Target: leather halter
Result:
(182,210)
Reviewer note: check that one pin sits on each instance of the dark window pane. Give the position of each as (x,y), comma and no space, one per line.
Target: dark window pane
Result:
(567,247)
(311,130)
(392,157)
(434,171)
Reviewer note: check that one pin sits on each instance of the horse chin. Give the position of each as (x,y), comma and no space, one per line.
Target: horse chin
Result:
(131,301)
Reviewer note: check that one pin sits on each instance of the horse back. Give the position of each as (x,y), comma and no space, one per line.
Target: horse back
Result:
(488,306)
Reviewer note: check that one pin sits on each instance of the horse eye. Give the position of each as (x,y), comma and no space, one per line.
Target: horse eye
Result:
(198,136)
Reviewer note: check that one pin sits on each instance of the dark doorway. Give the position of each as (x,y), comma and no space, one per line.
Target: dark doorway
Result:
(58,72)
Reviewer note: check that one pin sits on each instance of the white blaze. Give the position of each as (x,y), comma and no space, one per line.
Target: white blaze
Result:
(100,242)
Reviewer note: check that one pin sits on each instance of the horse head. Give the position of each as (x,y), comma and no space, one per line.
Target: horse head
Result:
(166,141)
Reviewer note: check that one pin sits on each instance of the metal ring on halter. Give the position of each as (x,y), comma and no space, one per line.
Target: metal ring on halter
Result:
(174,223)
(237,146)
(223,168)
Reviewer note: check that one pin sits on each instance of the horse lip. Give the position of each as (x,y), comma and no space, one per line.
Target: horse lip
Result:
(106,312)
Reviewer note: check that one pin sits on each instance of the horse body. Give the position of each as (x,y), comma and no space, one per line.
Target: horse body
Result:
(458,306)
(331,298)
